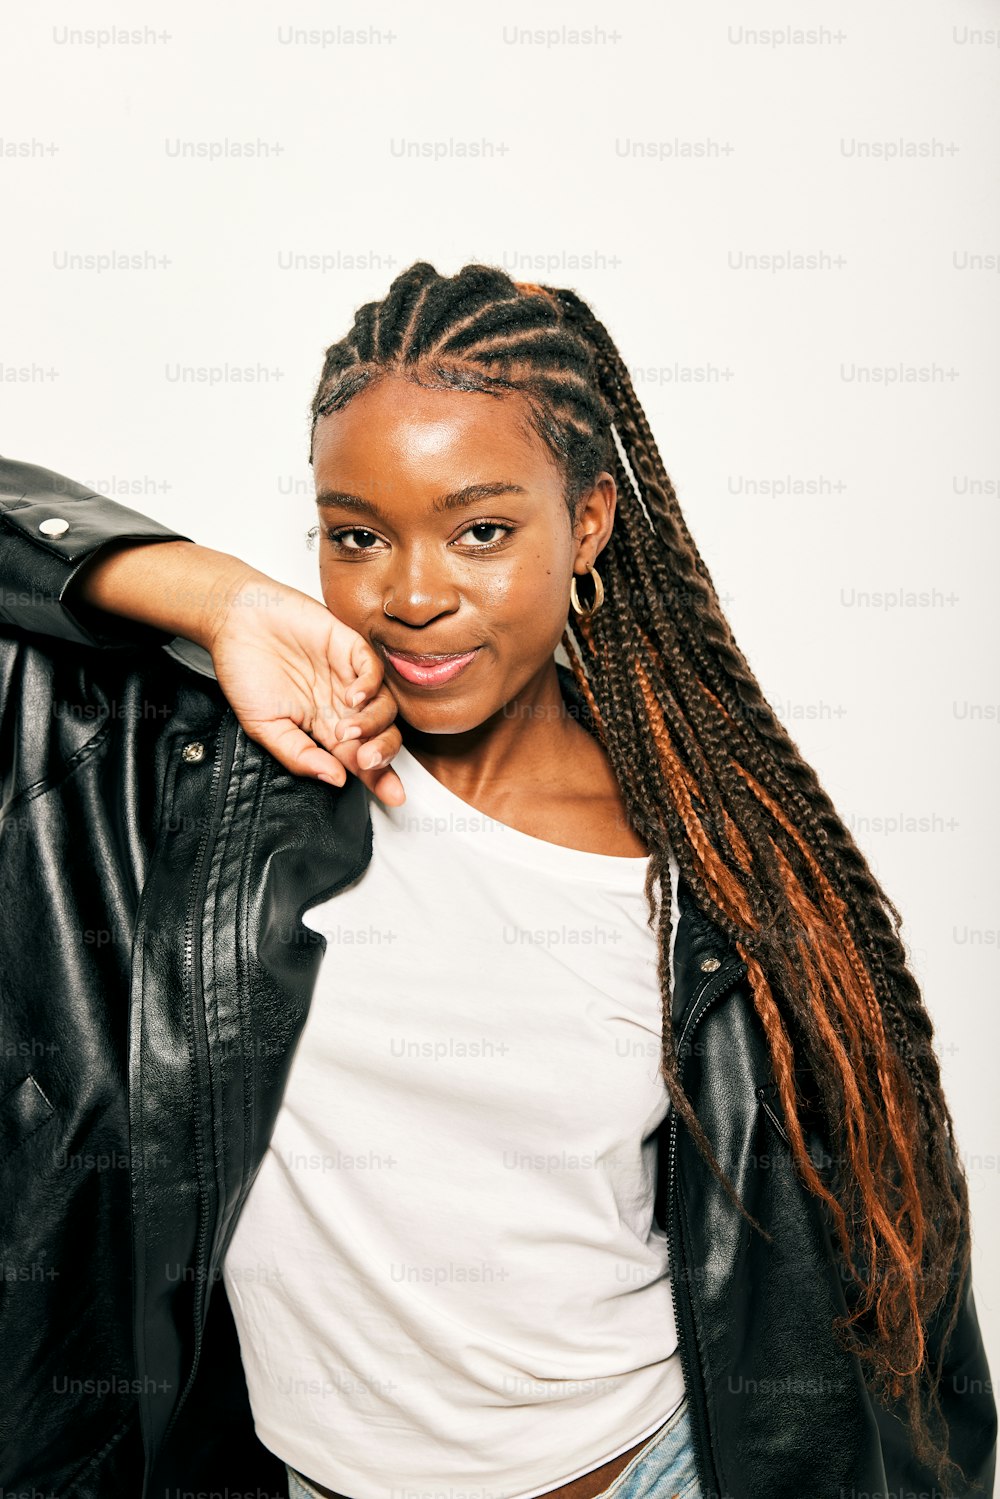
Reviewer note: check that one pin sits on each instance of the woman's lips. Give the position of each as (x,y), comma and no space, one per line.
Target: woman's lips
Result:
(429,671)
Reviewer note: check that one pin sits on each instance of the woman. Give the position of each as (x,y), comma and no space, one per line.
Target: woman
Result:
(354,1193)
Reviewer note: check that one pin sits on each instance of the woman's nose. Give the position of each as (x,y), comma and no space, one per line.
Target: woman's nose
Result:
(419,593)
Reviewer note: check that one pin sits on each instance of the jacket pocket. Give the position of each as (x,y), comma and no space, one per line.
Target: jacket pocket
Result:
(23,1110)
(814,1133)
(767,1097)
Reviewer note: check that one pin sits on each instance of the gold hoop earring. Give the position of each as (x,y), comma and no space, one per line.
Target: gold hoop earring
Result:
(587,610)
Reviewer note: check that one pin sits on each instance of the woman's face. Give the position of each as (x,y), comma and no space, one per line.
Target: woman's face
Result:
(445,507)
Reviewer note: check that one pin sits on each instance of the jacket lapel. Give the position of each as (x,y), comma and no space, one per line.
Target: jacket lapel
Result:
(223,974)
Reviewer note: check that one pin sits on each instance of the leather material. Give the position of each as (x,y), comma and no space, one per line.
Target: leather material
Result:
(148,1032)
(38,572)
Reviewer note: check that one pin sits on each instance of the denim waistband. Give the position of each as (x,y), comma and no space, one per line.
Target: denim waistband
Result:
(663,1468)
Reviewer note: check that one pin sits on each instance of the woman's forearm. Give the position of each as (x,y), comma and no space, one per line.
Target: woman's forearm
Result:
(177,586)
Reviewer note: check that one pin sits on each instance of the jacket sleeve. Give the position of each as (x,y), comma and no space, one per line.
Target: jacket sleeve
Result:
(50,526)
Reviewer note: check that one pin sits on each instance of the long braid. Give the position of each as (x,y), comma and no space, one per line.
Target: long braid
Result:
(780,761)
(658,483)
(708,773)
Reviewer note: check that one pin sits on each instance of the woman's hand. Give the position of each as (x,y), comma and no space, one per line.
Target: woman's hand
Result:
(287,666)
(290,671)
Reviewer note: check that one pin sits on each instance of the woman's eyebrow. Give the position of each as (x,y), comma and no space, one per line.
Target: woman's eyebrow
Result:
(471,494)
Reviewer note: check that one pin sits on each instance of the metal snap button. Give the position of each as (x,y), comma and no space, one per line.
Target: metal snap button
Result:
(709,965)
(193,752)
(54,526)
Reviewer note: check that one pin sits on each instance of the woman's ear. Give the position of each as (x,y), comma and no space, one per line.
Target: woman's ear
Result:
(595,516)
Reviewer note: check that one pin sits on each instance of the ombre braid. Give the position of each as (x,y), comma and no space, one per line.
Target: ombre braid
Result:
(708,771)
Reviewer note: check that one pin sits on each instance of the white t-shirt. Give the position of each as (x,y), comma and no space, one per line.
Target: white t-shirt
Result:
(446,1275)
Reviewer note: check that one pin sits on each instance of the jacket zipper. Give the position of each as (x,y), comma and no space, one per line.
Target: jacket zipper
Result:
(224,751)
(714,990)
(202,1268)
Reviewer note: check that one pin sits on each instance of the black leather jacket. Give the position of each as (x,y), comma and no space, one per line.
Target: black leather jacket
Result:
(154,867)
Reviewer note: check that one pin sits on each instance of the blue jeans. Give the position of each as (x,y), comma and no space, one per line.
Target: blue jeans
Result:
(663,1468)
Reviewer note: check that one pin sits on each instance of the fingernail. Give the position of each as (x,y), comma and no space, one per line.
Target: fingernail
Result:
(354,732)
(356,697)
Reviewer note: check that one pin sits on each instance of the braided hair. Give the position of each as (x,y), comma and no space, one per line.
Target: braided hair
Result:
(707,770)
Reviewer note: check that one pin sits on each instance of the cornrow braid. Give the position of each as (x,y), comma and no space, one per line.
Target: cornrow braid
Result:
(708,772)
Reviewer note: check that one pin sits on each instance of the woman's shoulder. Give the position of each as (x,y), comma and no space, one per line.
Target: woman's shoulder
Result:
(60,700)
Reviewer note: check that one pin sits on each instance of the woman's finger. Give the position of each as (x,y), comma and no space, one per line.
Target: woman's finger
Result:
(385,784)
(368,754)
(294,749)
(356,664)
(370,718)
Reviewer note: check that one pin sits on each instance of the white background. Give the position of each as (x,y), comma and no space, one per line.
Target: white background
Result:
(872,145)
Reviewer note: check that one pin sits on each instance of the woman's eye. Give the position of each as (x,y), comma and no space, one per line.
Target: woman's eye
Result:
(489,525)
(339,538)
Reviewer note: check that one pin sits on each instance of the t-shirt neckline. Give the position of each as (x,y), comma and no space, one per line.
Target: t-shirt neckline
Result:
(520,845)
